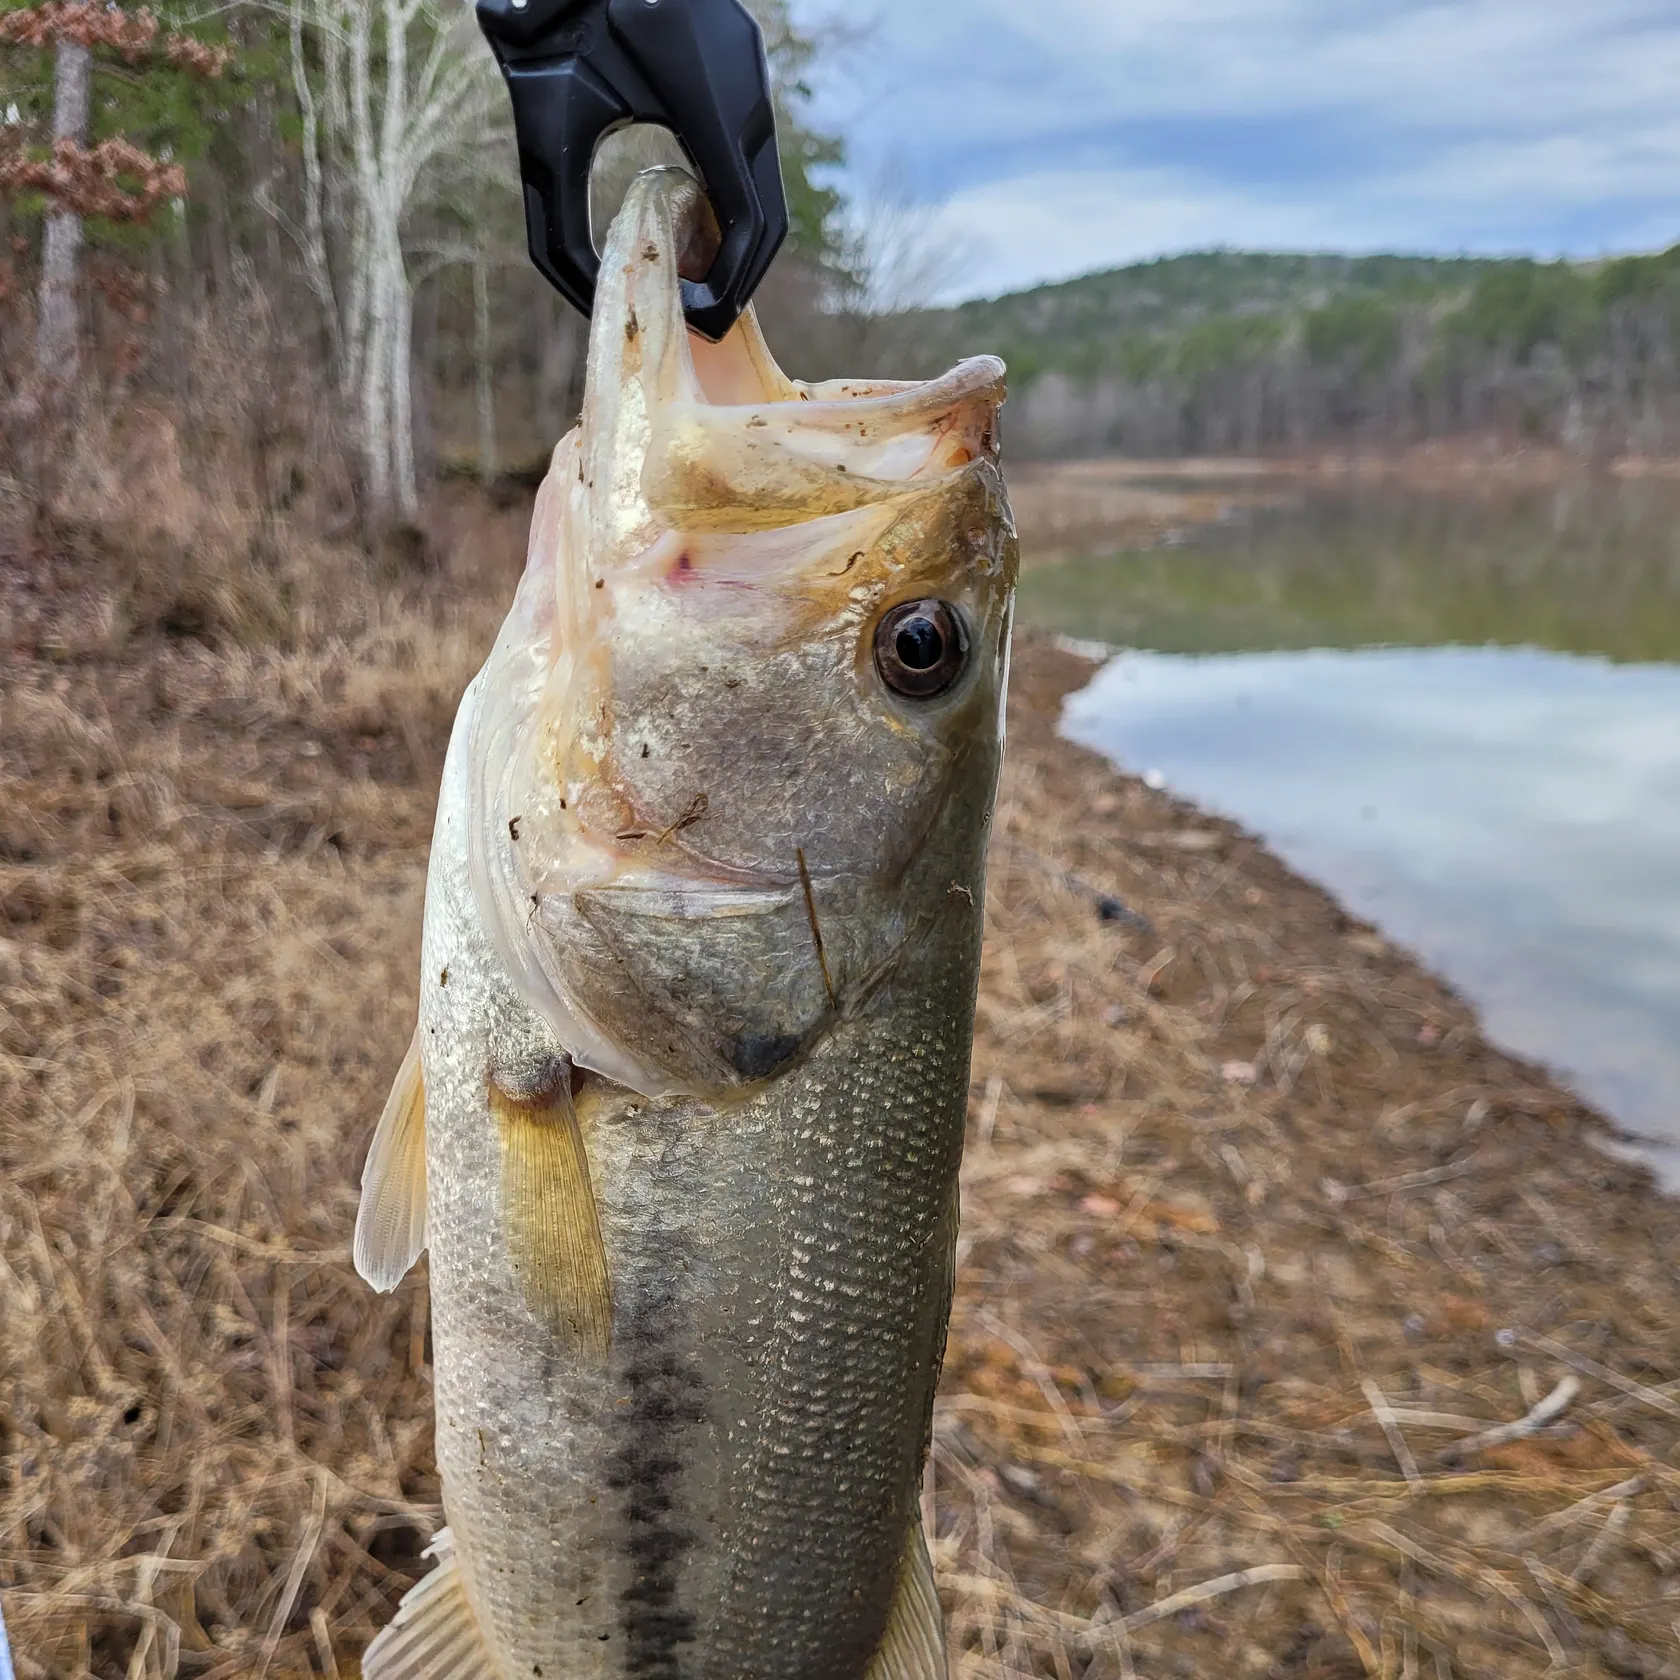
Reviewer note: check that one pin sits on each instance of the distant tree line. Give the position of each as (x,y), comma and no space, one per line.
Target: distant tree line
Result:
(296,224)
(1239,353)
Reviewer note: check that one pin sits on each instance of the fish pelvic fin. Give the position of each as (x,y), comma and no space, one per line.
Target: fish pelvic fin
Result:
(434,1634)
(913,1647)
(553,1226)
(391,1226)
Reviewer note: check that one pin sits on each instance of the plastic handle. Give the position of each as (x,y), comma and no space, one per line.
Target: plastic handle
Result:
(579,69)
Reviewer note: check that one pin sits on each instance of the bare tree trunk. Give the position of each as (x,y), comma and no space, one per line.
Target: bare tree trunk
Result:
(392,103)
(484,381)
(556,409)
(402,400)
(59,327)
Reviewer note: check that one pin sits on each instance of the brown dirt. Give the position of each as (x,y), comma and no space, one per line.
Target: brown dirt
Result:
(1257,1224)
(1258,1231)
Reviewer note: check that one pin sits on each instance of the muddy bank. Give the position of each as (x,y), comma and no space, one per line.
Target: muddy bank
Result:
(1260,1234)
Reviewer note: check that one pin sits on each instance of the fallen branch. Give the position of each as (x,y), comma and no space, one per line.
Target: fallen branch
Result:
(1654,1398)
(1262,1575)
(1581,1510)
(1543,1416)
(1384,1414)
(1603,1543)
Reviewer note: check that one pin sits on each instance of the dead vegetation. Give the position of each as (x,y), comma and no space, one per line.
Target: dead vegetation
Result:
(1261,1239)
(1298,1331)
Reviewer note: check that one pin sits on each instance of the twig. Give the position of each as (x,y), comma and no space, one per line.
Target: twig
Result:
(1657,1401)
(816,927)
(1542,1417)
(1603,1542)
(1262,1575)
(1384,1414)
(1580,1511)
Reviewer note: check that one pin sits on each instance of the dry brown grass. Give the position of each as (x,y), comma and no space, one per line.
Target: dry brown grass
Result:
(1259,1237)
(213,1438)
(1185,1299)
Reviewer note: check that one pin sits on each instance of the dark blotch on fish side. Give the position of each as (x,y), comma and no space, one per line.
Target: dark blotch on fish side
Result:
(760,1055)
(665,1399)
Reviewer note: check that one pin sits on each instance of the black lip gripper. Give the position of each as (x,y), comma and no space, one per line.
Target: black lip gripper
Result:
(578,69)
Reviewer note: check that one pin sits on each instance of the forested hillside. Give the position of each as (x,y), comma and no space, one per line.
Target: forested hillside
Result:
(1236,351)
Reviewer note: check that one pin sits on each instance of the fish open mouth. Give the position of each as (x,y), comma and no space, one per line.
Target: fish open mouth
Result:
(698,798)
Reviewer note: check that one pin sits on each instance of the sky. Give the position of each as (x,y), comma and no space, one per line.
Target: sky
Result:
(1040,139)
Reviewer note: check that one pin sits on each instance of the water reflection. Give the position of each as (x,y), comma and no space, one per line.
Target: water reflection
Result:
(1588,568)
(1511,813)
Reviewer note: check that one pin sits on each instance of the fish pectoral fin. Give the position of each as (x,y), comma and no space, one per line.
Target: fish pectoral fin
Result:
(913,1647)
(434,1634)
(553,1226)
(391,1226)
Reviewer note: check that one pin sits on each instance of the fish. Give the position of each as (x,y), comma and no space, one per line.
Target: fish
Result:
(682,1120)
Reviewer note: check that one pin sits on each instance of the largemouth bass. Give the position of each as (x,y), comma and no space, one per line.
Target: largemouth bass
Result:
(683,1117)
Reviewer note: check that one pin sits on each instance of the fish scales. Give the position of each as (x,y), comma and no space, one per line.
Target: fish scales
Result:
(761,1424)
(693,1052)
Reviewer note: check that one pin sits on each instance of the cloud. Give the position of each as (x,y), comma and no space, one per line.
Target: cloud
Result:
(1080,133)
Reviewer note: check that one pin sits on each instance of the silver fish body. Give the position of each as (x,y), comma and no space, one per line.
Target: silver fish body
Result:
(693,1048)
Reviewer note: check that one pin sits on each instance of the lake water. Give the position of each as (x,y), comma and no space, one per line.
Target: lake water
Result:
(1463,719)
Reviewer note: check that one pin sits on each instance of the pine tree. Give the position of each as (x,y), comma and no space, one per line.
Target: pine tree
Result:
(113,179)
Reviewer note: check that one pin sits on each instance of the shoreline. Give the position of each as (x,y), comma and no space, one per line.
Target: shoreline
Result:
(1074,663)
(1259,1230)
(1105,504)
(1654,1151)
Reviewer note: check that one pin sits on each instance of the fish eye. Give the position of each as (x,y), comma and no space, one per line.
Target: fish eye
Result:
(921,648)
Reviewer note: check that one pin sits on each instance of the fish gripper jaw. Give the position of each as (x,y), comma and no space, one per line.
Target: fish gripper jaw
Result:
(580,69)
